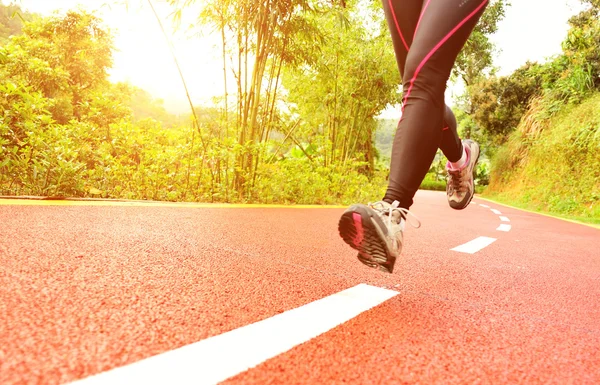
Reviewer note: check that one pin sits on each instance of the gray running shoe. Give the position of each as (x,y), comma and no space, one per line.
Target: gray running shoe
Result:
(376,231)
(460,186)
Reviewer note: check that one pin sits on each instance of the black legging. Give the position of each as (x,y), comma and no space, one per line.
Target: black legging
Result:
(427,37)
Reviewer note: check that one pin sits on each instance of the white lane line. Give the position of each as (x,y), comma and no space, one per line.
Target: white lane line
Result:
(504,227)
(486,206)
(475,245)
(496,212)
(504,219)
(218,358)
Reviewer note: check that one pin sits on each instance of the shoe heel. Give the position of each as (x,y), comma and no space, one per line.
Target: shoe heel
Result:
(351,229)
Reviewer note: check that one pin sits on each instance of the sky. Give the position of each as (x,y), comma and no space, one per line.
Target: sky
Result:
(532,30)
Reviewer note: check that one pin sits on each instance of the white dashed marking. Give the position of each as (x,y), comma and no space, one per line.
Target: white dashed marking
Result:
(496,212)
(486,206)
(504,219)
(475,245)
(504,227)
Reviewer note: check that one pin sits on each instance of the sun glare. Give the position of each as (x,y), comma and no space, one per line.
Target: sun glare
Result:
(142,55)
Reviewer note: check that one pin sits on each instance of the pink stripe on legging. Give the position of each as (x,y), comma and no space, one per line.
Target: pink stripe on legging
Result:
(397,26)
(420,17)
(448,36)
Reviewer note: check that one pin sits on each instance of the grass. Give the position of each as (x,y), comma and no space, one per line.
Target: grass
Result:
(430,183)
(594,222)
(556,169)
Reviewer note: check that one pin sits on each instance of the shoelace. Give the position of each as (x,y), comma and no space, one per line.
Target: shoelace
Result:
(455,179)
(404,213)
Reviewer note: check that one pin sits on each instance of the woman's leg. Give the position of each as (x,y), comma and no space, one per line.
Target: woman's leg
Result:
(427,37)
(441,30)
(402,24)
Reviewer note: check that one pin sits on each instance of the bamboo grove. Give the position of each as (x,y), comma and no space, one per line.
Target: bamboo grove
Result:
(288,60)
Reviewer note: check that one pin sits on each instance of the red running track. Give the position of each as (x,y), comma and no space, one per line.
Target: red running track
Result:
(84,289)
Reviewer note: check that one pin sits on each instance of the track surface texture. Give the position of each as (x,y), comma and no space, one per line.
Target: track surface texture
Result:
(85,289)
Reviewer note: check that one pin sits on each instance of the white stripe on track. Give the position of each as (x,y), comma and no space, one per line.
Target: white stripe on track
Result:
(218,358)
(475,245)
(504,227)
(496,212)
(486,206)
(504,219)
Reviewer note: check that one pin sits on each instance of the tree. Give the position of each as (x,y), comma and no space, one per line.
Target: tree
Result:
(476,56)
(56,103)
(258,38)
(79,45)
(582,45)
(337,96)
(65,58)
(499,103)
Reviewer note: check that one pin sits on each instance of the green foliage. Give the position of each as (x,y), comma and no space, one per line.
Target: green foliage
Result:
(66,131)
(583,41)
(298,180)
(431,182)
(53,78)
(558,172)
(258,39)
(550,162)
(482,172)
(339,94)
(65,59)
(499,104)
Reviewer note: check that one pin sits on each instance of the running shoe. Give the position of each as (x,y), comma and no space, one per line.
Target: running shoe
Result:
(460,186)
(376,232)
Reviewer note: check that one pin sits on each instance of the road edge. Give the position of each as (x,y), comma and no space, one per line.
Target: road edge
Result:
(60,201)
(593,226)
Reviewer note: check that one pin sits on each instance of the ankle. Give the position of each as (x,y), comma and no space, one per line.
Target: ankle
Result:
(461,163)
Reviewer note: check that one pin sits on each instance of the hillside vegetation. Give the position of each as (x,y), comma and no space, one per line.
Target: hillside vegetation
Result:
(556,170)
(543,125)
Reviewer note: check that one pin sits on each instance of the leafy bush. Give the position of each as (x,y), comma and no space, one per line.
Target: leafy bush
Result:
(432,183)
(302,181)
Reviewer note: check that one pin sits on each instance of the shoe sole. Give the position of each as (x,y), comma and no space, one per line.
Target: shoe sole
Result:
(358,228)
(464,206)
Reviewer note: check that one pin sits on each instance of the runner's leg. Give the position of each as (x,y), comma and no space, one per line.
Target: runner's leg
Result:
(441,31)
